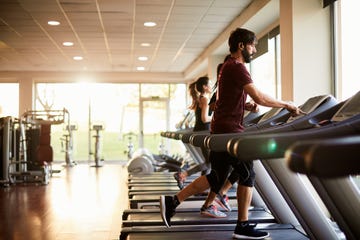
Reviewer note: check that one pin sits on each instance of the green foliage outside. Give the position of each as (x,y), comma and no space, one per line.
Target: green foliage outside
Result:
(113,146)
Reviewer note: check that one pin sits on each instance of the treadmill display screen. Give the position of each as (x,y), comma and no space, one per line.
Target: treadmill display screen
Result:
(272,112)
(310,105)
(349,109)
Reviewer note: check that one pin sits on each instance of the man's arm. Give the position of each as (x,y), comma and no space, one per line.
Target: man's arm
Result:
(268,101)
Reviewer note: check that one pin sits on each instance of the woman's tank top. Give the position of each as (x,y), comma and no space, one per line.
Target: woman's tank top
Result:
(199,125)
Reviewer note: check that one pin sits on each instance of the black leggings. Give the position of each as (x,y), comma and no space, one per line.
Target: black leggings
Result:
(202,167)
(233,177)
(221,165)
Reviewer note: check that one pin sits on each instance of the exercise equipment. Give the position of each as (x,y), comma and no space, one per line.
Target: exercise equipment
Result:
(9,146)
(151,217)
(327,163)
(323,101)
(99,161)
(208,231)
(326,158)
(294,231)
(68,145)
(27,154)
(275,121)
(270,148)
(141,162)
(130,146)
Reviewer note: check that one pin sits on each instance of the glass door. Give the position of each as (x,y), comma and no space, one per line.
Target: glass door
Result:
(154,118)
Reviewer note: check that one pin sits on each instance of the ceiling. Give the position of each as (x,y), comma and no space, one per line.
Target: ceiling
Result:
(108,33)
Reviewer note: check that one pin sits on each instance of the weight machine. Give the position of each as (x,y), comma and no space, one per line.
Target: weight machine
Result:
(27,155)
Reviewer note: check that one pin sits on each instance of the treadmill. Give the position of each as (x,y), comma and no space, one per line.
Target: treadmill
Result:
(325,158)
(186,216)
(317,108)
(313,106)
(208,231)
(328,163)
(148,195)
(271,147)
(290,227)
(156,188)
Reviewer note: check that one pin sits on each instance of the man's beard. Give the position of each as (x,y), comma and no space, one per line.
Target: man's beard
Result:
(246,55)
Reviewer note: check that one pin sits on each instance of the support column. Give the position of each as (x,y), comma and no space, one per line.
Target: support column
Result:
(26,94)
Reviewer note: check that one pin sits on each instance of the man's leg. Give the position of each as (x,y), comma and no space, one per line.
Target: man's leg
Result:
(244,229)
(168,204)
(243,196)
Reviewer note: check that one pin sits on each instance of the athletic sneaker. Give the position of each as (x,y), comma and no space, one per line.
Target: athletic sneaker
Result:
(223,202)
(212,211)
(178,180)
(167,209)
(248,231)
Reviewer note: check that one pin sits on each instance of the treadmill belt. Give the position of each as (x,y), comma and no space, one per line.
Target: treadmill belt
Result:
(154,188)
(137,200)
(130,213)
(208,232)
(231,193)
(194,218)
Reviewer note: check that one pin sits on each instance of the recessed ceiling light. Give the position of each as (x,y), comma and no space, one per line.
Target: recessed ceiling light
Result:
(140,68)
(78,58)
(143,58)
(149,24)
(54,23)
(68,44)
(145,44)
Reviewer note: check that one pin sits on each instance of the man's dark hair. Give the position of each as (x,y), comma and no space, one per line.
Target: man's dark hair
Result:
(240,35)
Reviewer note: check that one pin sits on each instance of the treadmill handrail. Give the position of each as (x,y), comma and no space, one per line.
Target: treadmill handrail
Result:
(268,146)
(222,142)
(336,157)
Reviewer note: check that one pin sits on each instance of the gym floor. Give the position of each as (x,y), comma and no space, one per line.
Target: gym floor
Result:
(81,202)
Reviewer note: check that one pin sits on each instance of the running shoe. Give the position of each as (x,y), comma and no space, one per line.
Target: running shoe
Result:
(223,202)
(212,211)
(167,209)
(248,231)
(179,180)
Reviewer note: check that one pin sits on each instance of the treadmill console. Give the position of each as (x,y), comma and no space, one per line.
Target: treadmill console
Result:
(349,109)
(310,105)
(269,114)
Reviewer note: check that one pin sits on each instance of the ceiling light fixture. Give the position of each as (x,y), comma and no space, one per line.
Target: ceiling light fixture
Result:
(149,24)
(53,23)
(145,44)
(78,58)
(68,44)
(143,58)
(140,68)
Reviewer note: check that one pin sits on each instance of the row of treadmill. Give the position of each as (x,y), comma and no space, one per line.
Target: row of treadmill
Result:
(305,188)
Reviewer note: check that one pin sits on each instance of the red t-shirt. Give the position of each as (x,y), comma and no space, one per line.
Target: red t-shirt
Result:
(230,101)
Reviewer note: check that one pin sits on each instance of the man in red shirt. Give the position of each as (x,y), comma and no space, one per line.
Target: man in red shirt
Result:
(234,85)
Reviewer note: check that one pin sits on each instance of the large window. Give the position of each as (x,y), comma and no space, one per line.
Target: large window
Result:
(9,99)
(265,68)
(348,51)
(348,14)
(110,111)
